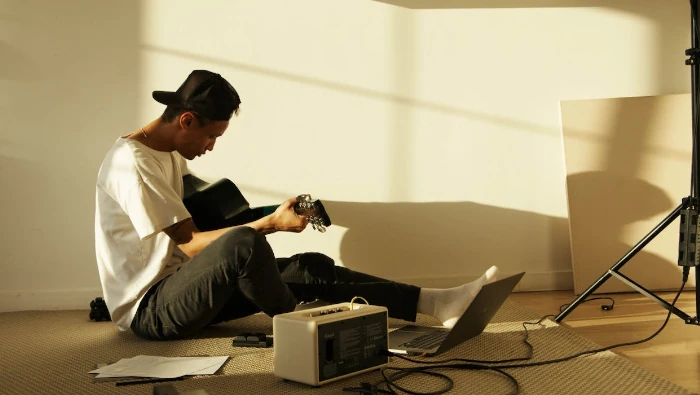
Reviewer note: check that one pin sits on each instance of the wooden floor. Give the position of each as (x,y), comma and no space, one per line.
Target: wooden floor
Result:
(674,354)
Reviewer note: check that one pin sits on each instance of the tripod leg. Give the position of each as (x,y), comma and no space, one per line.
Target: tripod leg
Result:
(631,253)
(681,314)
(697,293)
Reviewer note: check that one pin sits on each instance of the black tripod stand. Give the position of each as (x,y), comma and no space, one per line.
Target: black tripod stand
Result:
(689,240)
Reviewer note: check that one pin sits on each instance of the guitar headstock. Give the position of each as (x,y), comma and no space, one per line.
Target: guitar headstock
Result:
(314,210)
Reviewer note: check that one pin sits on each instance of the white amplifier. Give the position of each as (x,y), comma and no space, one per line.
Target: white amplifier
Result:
(320,345)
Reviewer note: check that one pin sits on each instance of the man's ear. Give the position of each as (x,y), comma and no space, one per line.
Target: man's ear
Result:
(186,119)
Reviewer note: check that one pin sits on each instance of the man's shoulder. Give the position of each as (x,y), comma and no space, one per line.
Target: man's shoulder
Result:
(131,153)
(120,154)
(122,162)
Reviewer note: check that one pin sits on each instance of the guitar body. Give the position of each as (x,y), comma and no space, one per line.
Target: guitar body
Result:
(221,204)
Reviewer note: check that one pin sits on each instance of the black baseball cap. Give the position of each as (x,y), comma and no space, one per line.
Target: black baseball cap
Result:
(205,93)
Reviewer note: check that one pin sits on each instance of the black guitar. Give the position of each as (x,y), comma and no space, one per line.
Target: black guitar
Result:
(221,204)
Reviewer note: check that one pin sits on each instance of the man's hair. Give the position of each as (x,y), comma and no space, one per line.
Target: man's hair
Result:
(171,113)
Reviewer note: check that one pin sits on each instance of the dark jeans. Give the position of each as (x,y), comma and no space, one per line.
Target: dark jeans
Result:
(237,275)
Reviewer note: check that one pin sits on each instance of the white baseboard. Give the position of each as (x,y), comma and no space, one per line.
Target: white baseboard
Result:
(72,299)
(547,281)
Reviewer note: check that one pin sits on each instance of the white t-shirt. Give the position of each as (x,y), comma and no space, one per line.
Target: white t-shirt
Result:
(139,193)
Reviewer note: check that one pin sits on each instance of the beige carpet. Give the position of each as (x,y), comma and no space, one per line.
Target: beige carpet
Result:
(51,352)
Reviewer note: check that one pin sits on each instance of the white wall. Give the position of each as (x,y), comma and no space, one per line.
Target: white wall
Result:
(431,134)
(69,78)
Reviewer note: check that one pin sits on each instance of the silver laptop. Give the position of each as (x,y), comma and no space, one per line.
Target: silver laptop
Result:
(414,339)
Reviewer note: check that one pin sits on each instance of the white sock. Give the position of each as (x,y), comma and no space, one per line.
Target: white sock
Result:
(447,305)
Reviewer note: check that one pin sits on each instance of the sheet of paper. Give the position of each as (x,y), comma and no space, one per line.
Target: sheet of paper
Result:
(209,370)
(161,367)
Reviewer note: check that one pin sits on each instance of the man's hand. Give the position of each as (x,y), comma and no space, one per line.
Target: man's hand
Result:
(285,219)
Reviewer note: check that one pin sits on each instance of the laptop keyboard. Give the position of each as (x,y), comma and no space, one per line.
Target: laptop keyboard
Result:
(427,341)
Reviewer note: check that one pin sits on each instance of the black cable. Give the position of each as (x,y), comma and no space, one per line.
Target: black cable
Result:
(668,316)
(604,307)
(402,372)
(525,340)
(390,380)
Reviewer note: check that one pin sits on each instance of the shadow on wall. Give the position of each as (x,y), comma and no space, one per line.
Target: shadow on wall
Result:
(69,78)
(16,66)
(466,4)
(437,240)
(607,211)
(16,173)
(373,94)
(665,55)
(434,241)
(601,205)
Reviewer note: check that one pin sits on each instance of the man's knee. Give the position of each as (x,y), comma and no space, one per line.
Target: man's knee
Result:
(308,267)
(241,235)
(318,264)
(244,245)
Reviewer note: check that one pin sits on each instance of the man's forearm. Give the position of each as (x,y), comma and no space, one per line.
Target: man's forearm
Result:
(201,240)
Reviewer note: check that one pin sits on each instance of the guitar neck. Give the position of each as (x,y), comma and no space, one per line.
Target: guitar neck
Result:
(221,204)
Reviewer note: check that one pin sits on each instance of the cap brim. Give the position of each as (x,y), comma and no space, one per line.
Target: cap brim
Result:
(167,98)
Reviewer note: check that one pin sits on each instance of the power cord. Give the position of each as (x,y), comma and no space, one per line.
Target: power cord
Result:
(352,301)
(605,307)
(390,380)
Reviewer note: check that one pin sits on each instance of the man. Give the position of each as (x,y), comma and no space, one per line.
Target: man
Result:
(164,279)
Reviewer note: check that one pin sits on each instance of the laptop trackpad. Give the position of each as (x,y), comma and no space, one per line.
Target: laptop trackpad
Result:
(406,334)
